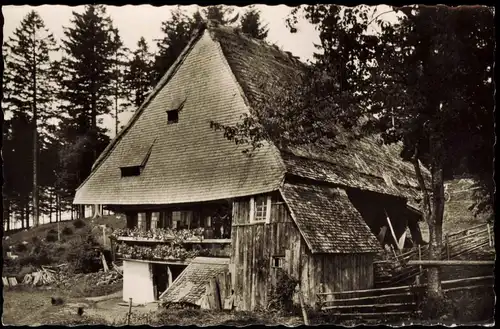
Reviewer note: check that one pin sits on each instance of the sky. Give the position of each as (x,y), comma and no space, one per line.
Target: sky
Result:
(134,22)
(145,21)
(125,18)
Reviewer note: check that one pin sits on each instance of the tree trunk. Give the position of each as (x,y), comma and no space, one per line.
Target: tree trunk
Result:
(57,208)
(35,140)
(81,211)
(22,218)
(7,213)
(51,205)
(434,291)
(27,215)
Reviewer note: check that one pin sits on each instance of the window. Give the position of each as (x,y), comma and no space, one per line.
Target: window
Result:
(182,219)
(278,261)
(130,171)
(141,221)
(135,160)
(260,209)
(172,116)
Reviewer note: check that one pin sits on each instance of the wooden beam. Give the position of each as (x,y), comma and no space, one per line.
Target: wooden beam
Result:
(450,262)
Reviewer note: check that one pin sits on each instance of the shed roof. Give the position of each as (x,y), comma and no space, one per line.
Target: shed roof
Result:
(327,219)
(190,285)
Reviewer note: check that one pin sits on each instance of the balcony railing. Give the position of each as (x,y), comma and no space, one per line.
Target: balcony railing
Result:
(168,244)
(198,235)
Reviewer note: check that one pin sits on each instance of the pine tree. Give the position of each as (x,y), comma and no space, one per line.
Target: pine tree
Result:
(251,24)
(28,86)
(219,14)
(90,47)
(178,31)
(139,74)
(120,92)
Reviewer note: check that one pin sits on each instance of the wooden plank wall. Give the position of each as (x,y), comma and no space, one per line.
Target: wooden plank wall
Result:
(254,245)
(334,273)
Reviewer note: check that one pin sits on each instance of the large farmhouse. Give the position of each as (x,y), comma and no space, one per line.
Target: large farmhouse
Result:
(320,216)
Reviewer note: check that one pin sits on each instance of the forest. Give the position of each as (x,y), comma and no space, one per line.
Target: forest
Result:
(54,107)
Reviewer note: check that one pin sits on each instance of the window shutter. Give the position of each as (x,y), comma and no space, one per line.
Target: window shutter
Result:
(252,209)
(268,210)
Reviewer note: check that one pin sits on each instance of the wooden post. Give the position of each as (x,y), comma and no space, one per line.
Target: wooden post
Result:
(169,276)
(104,236)
(129,311)
(104,264)
(304,313)
(447,247)
(420,266)
(214,295)
(489,235)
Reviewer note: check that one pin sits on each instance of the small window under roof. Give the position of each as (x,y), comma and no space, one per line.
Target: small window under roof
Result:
(173,112)
(172,116)
(130,171)
(135,160)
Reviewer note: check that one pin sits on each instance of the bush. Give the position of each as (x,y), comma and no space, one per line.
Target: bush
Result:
(36,260)
(78,223)
(83,256)
(51,237)
(281,297)
(21,247)
(67,231)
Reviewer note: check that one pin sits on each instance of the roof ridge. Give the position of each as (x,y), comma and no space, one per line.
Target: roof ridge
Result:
(235,29)
(197,33)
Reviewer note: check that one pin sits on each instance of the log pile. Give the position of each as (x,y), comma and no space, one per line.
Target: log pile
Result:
(59,277)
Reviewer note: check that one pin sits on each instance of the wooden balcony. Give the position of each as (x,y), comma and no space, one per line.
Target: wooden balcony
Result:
(148,240)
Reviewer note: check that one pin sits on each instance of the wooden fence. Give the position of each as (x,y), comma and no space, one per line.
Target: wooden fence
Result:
(456,244)
(390,301)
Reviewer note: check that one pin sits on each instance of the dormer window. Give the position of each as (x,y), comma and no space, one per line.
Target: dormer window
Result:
(172,116)
(134,162)
(131,171)
(173,112)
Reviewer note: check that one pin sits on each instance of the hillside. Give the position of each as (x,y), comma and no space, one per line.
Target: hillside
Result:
(459,207)
(79,241)
(111,221)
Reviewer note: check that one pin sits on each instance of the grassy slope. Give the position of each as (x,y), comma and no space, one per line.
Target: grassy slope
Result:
(457,215)
(57,250)
(111,221)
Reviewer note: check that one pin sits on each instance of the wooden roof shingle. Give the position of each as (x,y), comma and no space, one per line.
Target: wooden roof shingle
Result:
(327,220)
(190,285)
(220,76)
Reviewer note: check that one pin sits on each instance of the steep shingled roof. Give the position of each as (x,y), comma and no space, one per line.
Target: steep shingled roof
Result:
(197,164)
(327,220)
(189,162)
(362,163)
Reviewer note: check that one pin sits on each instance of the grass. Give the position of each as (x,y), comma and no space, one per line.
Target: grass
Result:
(40,245)
(40,231)
(32,306)
(26,305)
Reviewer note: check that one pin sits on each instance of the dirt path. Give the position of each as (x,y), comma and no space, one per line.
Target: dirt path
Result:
(110,310)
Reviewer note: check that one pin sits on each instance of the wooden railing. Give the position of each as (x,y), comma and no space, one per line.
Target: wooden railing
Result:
(390,301)
(455,244)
